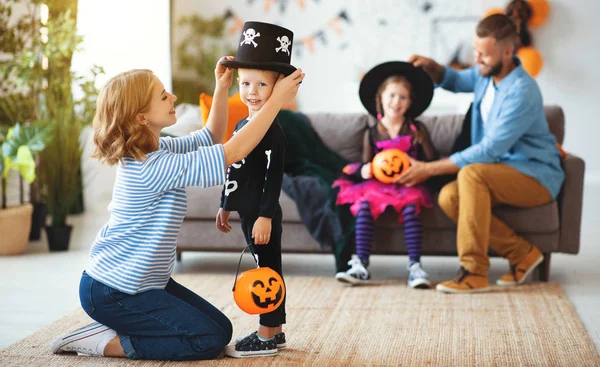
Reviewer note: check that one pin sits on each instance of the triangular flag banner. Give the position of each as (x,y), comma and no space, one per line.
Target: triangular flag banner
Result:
(321,36)
(237,26)
(268,4)
(343,15)
(303,43)
(298,49)
(283,5)
(309,42)
(335,25)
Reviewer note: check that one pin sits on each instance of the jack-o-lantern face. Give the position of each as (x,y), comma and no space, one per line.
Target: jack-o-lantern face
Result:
(267,295)
(387,165)
(259,291)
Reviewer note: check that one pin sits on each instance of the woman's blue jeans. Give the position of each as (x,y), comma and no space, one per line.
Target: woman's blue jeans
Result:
(163,324)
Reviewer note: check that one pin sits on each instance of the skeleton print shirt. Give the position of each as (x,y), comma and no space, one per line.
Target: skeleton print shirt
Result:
(254,183)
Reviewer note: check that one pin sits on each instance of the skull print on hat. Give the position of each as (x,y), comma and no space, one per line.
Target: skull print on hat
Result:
(249,36)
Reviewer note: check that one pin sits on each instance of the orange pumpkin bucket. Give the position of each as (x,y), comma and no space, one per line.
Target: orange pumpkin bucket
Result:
(259,290)
(387,165)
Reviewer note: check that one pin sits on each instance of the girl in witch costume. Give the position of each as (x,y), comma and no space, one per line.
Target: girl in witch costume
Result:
(253,184)
(395,93)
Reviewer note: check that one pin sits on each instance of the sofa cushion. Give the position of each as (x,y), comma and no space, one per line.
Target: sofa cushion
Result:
(540,219)
(342,133)
(237,110)
(203,203)
(443,131)
(556,121)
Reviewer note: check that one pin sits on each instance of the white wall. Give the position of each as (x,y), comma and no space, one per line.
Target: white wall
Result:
(570,45)
(124,34)
(568,42)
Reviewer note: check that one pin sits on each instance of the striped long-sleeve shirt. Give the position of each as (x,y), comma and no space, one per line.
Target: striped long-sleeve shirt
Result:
(135,250)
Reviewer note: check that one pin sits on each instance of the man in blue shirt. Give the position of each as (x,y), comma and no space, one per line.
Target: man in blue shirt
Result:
(512,160)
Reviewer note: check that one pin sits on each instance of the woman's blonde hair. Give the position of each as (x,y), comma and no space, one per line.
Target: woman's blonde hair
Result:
(117,134)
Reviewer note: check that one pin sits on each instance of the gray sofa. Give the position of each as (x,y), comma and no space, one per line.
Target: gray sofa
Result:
(554,227)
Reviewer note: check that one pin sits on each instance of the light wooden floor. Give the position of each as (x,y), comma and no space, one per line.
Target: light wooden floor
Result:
(39,287)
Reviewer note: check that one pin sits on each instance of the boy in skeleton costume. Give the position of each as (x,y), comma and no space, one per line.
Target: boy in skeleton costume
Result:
(253,184)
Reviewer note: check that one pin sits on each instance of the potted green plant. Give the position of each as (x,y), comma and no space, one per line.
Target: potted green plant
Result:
(60,163)
(38,75)
(60,166)
(19,147)
(202,44)
(21,82)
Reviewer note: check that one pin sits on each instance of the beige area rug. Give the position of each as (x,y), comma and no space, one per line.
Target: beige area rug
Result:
(382,324)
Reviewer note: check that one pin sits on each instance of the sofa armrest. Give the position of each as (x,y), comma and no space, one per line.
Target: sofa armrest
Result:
(570,203)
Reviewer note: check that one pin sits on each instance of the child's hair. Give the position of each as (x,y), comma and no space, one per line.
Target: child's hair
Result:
(117,134)
(379,106)
(274,73)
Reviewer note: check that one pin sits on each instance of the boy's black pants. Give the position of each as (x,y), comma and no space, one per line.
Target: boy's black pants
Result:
(269,255)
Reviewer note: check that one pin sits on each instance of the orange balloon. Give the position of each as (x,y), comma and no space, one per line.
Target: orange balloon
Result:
(259,291)
(540,10)
(531,59)
(493,11)
(387,165)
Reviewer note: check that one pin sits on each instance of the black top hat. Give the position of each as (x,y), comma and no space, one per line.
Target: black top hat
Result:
(264,46)
(421,84)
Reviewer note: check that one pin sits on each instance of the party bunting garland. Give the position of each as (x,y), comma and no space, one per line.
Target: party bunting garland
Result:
(237,23)
(282,4)
(308,43)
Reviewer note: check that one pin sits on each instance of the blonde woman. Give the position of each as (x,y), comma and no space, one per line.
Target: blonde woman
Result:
(140,311)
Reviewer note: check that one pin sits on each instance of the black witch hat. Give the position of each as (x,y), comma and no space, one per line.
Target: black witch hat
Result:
(421,84)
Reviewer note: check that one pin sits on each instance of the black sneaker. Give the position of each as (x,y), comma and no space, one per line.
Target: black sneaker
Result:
(252,346)
(279,339)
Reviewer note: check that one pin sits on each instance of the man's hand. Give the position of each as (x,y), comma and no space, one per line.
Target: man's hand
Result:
(261,232)
(224,75)
(223,221)
(432,68)
(415,174)
(366,172)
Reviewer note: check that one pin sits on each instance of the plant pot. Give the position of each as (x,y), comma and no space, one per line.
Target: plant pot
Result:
(58,237)
(15,225)
(38,220)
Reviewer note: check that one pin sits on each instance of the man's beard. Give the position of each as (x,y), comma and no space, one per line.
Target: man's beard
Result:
(495,70)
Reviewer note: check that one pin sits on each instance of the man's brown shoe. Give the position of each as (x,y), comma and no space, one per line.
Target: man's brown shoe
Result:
(519,272)
(465,282)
